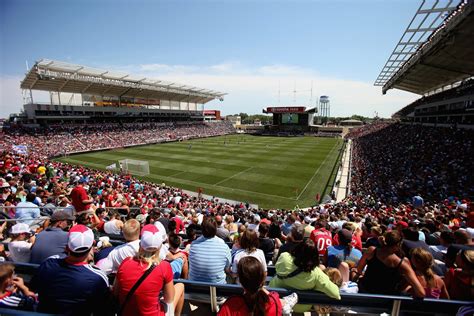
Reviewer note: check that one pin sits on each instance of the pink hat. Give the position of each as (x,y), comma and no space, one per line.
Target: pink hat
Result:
(151,238)
(80,238)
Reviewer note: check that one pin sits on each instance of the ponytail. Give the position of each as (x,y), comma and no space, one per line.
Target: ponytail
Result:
(256,302)
(429,276)
(382,241)
(423,261)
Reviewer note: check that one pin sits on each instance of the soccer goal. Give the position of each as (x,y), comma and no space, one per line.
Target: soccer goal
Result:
(137,167)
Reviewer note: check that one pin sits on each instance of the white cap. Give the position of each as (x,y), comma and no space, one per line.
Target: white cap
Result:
(80,238)
(151,239)
(20,228)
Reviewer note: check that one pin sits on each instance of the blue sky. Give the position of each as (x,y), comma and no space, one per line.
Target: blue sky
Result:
(245,48)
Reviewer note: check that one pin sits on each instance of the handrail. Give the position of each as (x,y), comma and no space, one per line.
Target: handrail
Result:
(374,302)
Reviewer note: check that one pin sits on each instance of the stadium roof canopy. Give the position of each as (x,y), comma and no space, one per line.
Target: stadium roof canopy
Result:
(50,75)
(436,49)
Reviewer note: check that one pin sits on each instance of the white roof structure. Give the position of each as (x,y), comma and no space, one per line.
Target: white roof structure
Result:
(435,50)
(57,76)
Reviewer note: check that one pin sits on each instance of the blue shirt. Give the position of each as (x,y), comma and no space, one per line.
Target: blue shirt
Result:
(65,288)
(338,254)
(49,242)
(27,210)
(208,258)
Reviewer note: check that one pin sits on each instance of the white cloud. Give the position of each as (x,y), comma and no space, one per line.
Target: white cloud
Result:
(252,88)
(10,95)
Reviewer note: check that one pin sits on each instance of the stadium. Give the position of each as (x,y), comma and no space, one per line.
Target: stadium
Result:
(128,195)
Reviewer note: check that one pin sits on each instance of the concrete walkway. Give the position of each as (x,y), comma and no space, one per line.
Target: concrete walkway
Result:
(342,176)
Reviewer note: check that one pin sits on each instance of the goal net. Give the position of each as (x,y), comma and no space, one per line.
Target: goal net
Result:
(137,167)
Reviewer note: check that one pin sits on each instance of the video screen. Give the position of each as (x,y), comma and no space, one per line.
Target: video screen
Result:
(289,119)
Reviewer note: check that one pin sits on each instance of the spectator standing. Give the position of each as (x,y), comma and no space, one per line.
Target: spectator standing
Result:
(209,256)
(53,240)
(80,199)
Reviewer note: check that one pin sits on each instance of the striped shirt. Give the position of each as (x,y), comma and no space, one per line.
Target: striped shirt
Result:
(16,300)
(208,258)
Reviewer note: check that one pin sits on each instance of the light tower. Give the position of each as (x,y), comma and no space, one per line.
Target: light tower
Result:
(324,107)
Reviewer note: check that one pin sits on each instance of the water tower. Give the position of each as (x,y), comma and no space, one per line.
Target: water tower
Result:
(324,106)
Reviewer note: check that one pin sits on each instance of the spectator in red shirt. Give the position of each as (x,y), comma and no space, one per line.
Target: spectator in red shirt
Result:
(255,300)
(144,300)
(179,222)
(459,281)
(80,200)
(321,237)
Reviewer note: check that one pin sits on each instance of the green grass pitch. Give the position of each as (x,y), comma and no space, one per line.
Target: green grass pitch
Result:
(273,172)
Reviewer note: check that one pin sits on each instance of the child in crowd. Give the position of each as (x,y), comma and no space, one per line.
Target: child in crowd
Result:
(177,258)
(13,291)
(344,286)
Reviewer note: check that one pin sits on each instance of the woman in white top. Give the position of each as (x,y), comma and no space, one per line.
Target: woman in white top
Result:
(114,225)
(249,245)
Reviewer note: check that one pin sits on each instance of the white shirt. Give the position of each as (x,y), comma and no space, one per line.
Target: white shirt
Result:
(256,254)
(20,251)
(111,228)
(111,263)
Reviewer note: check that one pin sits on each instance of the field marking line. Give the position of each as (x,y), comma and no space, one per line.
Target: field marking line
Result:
(175,174)
(211,186)
(316,172)
(232,176)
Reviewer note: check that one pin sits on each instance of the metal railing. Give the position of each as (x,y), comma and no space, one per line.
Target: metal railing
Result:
(364,303)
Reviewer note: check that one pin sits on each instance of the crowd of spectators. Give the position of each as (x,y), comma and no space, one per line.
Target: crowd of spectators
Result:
(60,140)
(397,162)
(407,228)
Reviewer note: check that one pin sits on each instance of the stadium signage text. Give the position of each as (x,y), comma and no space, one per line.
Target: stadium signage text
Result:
(286,109)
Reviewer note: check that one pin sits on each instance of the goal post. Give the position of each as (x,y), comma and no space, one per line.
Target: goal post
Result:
(137,167)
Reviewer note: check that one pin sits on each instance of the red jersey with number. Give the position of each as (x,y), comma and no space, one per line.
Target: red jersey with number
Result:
(322,238)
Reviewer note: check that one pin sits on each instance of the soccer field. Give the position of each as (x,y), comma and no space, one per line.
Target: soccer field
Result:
(273,172)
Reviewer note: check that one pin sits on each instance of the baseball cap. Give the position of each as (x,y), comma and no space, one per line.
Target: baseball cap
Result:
(151,238)
(80,238)
(20,228)
(403,224)
(62,216)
